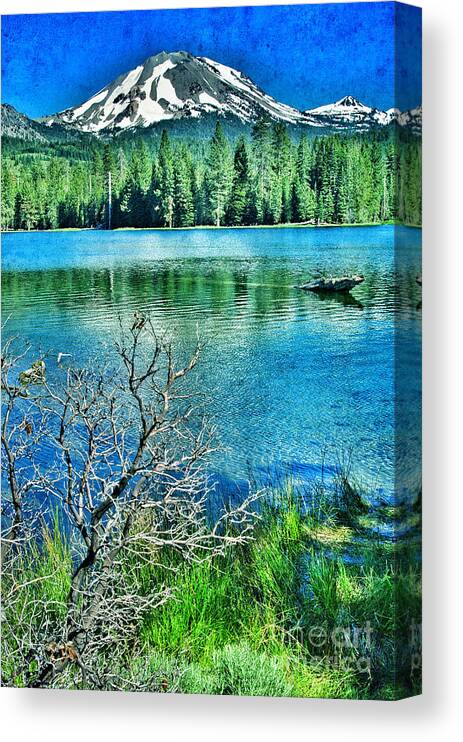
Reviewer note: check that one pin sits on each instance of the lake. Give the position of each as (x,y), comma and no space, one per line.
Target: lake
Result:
(298,380)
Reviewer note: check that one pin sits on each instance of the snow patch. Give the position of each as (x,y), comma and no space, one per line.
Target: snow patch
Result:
(207,99)
(85,106)
(229,74)
(166,90)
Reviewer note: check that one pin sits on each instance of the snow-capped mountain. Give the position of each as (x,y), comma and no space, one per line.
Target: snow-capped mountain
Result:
(178,86)
(348,109)
(172,86)
(348,113)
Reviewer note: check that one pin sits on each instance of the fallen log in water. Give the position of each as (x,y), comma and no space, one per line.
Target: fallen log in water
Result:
(341,283)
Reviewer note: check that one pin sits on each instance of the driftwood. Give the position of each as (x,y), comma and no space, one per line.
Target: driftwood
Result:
(342,283)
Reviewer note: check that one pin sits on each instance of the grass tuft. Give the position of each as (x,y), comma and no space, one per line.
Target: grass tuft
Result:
(290,614)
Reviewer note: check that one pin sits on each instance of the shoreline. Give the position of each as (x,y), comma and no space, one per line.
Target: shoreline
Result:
(297,225)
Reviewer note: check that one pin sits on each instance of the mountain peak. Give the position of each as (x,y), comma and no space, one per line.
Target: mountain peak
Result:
(174,85)
(349,101)
(165,55)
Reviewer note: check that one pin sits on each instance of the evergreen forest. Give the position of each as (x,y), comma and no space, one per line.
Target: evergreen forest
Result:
(269,177)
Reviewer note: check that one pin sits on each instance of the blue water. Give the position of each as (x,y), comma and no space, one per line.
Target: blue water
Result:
(299,381)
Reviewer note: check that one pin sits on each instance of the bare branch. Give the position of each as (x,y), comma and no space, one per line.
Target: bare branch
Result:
(127,460)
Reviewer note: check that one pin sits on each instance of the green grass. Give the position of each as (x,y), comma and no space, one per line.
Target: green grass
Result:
(42,578)
(287,614)
(267,597)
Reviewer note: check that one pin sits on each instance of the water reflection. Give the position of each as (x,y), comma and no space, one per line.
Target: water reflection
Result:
(296,375)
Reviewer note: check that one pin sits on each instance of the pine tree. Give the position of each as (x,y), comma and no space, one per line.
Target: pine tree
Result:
(140,165)
(26,211)
(124,206)
(121,169)
(8,195)
(262,151)
(218,176)
(109,161)
(183,196)
(164,186)
(55,191)
(282,175)
(238,211)
(304,200)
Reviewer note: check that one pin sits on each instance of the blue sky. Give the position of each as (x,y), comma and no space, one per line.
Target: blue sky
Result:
(304,55)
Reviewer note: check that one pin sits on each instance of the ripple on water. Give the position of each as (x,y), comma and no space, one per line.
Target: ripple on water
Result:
(294,375)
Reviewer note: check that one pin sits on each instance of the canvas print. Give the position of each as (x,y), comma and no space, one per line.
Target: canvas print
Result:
(211,349)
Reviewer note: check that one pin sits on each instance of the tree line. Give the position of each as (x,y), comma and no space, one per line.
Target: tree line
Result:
(268,178)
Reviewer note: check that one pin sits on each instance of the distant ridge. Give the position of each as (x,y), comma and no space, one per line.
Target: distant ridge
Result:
(348,112)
